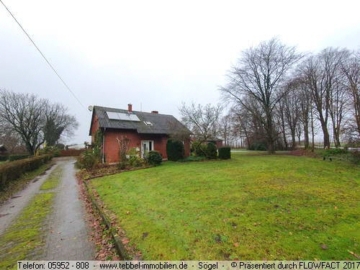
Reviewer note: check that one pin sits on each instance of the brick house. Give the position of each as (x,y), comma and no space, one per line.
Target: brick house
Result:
(145,131)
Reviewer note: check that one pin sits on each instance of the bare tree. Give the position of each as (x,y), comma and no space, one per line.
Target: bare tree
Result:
(10,139)
(24,114)
(305,103)
(293,106)
(351,69)
(321,74)
(339,103)
(247,125)
(259,75)
(203,121)
(281,123)
(225,128)
(27,115)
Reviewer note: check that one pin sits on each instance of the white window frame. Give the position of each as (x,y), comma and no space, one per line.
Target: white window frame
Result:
(149,147)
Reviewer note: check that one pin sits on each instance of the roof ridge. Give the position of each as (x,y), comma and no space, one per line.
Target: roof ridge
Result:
(125,110)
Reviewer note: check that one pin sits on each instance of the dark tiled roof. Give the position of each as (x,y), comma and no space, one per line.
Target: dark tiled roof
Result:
(160,123)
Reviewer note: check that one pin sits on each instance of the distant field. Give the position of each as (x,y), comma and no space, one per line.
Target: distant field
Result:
(248,208)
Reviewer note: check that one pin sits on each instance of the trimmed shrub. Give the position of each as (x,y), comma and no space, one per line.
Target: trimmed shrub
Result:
(225,152)
(133,158)
(175,150)
(135,161)
(88,160)
(211,151)
(154,158)
(11,171)
(4,157)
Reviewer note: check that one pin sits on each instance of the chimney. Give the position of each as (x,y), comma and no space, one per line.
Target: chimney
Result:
(155,112)
(129,107)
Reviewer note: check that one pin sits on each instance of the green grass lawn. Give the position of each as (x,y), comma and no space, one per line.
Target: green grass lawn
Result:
(247,208)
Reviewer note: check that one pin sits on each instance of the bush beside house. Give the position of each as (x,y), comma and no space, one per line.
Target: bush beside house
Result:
(175,150)
(154,158)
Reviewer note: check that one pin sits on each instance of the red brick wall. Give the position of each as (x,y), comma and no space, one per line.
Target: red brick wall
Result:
(94,127)
(71,152)
(111,146)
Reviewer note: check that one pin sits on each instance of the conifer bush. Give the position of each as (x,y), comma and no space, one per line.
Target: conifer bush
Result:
(175,150)
(225,152)
(211,151)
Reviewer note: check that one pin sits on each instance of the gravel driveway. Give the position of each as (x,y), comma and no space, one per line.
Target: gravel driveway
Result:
(67,234)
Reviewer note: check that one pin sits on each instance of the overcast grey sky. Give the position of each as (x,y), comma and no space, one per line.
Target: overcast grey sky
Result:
(153,54)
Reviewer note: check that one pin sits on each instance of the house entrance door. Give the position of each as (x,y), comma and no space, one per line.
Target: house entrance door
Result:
(146,146)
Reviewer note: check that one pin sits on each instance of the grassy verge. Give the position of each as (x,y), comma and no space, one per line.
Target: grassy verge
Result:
(53,179)
(24,240)
(20,183)
(248,208)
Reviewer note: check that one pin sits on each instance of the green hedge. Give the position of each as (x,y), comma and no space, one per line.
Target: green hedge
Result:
(11,171)
(18,157)
(175,150)
(224,152)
